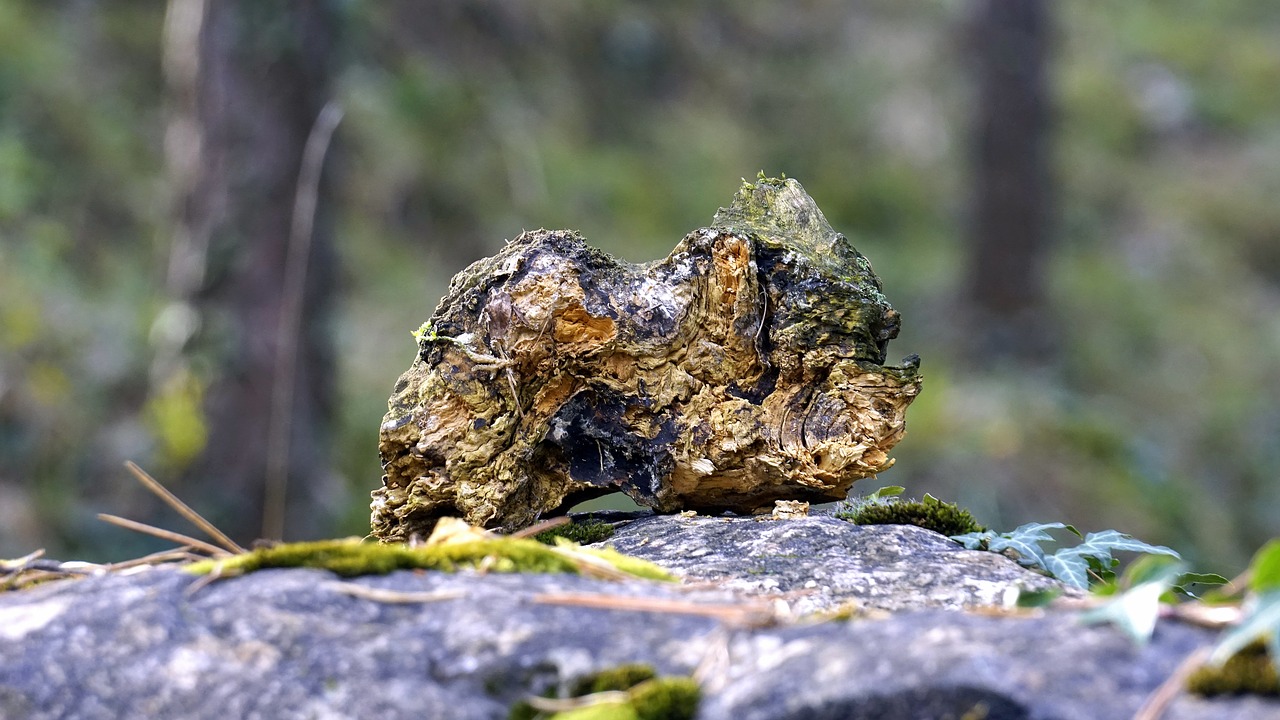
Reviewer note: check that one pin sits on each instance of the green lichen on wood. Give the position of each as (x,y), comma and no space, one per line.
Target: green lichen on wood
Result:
(930,513)
(353,557)
(1249,671)
(846,299)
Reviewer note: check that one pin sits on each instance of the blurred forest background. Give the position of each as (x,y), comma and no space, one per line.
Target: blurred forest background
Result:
(1075,206)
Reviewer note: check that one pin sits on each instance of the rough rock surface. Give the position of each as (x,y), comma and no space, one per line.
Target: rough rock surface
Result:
(820,563)
(747,366)
(297,644)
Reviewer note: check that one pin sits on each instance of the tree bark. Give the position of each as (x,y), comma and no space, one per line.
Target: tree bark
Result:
(248,80)
(1010,231)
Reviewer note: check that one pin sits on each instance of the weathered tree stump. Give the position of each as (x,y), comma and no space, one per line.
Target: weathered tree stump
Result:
(745,367)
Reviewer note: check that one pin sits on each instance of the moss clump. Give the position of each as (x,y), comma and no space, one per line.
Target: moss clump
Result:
(644,697)
(352,557)
(1249,671)
(522,710)
(583,532)
(622,677)
(625,563)
(930,513)
(667,698)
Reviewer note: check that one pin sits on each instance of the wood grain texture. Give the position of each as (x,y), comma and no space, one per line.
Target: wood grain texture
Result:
(745,367)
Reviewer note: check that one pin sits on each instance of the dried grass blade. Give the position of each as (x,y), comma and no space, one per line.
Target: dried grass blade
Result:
(18,564)
(182,554)
(182,508)
(541,527)
(169,535)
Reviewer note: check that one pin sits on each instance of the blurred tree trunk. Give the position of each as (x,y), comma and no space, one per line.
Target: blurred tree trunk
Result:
(247,80)
(1010,232)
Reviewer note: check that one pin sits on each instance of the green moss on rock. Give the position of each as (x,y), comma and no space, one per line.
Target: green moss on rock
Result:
(522,710)
(583,532)
(607,710)
(666,698)
(621,677)
(352,557)
(930,513)
(625,692)
(1249,671)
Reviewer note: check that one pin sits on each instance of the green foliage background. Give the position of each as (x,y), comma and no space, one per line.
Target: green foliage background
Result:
(633,122)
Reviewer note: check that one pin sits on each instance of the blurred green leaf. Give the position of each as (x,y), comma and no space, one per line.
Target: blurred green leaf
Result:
(1136,610)
(1265,568)
(1038,598)
(1071,565)
(1261,621)
(887,491)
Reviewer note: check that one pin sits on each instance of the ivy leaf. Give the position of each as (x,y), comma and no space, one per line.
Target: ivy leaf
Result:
(1071,565)
(1025,541)
(975,540)
(1135,611)
(1195,578)
(1100,545)
(1036,531)
(1188,581)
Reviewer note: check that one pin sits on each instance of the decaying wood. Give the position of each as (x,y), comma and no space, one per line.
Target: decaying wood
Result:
(745,367)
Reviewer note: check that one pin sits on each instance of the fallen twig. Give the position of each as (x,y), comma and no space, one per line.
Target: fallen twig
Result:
(541,527)
(182,554)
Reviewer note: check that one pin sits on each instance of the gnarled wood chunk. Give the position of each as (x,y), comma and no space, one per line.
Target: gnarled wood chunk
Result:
(745,367)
